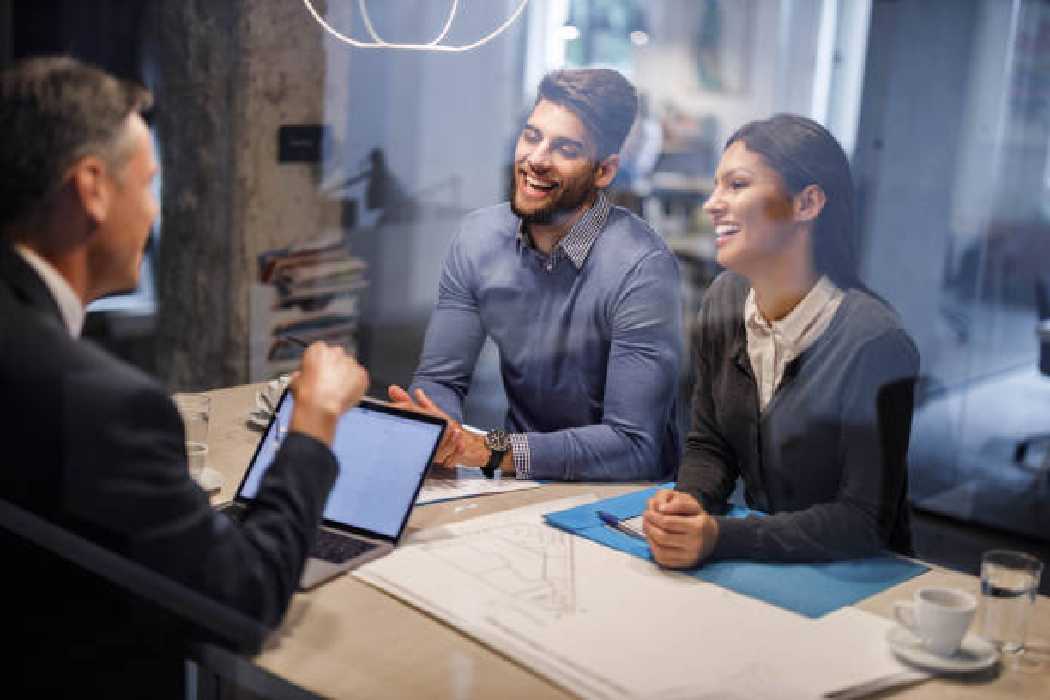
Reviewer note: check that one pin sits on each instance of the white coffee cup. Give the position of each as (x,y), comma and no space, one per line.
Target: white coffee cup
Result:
(938,616)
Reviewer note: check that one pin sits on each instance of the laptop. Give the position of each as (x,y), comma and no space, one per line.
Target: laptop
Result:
(383,454)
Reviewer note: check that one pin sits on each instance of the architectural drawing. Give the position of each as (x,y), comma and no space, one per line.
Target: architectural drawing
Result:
(603,624)
(530,567)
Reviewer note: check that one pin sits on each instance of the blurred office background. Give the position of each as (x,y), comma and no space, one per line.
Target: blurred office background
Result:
(311,186)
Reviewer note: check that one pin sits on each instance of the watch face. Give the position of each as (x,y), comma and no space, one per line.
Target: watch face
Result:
(497,440)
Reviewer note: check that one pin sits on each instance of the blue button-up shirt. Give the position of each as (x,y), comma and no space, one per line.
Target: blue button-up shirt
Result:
(589,342)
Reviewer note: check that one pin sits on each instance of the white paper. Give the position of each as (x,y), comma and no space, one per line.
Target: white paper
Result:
(605,624)
(465,482)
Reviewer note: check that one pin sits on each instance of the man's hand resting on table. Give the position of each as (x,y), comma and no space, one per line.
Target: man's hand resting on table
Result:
(680,532)
(328,383)
(450,451)
(459,446)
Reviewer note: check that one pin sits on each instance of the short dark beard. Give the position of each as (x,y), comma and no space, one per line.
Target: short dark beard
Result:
(543,217)
(549,214)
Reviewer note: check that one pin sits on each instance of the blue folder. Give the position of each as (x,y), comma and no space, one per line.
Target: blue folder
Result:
(812,590)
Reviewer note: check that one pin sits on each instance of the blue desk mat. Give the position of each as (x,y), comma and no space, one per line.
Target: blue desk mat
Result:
(812,590)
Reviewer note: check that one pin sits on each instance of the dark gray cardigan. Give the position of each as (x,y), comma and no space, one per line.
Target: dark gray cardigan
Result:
(827,459)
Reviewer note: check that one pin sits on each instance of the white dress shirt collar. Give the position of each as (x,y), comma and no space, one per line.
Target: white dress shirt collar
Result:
(68,302)
(772,345)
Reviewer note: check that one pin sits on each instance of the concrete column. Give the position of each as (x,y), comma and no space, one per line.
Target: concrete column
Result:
(226,74)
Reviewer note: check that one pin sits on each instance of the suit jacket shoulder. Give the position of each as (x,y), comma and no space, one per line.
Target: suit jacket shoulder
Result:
(97,446)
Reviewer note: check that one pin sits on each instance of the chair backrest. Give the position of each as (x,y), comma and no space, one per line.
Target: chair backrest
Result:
(1042,305)
(1042,297)
(216,620)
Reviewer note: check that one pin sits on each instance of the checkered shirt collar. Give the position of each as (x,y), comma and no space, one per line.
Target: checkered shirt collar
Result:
(578,242)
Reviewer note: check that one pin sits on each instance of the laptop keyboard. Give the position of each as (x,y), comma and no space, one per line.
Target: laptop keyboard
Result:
(338,548)
(329,546)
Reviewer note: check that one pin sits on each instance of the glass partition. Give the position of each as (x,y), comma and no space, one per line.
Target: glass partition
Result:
(942,107)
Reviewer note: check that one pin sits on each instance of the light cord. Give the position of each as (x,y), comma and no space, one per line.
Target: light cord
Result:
(379,40)
(379,43)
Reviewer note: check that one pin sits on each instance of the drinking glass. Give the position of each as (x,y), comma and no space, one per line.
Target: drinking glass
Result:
(195,410)
(1009,582)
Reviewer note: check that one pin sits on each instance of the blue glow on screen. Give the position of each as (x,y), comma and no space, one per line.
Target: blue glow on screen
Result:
(381,457)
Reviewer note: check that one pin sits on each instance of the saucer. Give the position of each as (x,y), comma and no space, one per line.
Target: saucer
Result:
(974,654)
(210,480)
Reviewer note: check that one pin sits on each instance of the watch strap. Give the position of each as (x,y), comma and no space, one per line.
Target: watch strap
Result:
(495,440)
(489,470)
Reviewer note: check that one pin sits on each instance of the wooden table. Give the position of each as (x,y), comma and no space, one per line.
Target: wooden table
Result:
(347,639)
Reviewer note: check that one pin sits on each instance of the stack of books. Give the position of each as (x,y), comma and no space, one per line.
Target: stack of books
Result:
(306,293)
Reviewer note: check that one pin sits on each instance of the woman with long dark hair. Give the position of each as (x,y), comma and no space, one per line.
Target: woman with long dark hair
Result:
(805,378)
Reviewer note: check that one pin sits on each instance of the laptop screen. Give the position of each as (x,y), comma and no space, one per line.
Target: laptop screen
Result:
(383,453)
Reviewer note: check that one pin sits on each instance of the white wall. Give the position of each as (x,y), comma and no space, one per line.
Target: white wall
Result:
(446,122)
(666,67)
(907,155)
(839,108)
(984,122)
(802,56)
(437,115)
(1003,156)
(782,40)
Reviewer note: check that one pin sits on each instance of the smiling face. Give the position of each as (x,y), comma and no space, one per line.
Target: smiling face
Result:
(753,215)
(555,173)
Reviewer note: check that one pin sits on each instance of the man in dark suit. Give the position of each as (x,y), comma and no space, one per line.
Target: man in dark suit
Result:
(95,445)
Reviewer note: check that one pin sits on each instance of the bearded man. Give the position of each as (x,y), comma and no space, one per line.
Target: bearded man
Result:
(580,297)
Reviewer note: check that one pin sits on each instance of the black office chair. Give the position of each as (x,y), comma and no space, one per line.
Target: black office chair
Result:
(1042,302)
(172,618)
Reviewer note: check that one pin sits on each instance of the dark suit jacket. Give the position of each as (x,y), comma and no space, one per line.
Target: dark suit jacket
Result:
(97,447)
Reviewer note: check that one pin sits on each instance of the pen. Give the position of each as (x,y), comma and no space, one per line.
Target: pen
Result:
(296,340)
(617,524)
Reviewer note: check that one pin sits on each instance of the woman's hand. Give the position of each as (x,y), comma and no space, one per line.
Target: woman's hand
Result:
(680,532)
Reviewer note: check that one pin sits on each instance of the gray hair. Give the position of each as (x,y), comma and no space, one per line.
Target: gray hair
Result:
(54,111)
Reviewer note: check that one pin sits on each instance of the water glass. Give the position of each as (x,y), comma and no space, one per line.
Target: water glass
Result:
(195,410)
(1009,582)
